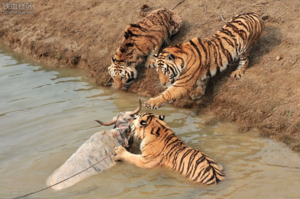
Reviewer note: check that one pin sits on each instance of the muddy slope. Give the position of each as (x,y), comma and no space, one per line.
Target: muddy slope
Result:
(85,34)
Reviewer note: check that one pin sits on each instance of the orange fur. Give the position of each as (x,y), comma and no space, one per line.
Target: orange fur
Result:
(186,68)
(141,41)
(161,147)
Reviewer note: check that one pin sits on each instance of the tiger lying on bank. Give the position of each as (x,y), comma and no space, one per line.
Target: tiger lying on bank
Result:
(161,147)
(140,42)
(189,66)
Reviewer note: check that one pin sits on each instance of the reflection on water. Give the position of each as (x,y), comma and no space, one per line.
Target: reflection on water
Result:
(46,114)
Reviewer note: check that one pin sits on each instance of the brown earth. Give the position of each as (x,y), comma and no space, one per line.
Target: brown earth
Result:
(85,34)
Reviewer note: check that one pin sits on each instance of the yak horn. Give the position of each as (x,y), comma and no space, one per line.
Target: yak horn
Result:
(137,109)
(107,123)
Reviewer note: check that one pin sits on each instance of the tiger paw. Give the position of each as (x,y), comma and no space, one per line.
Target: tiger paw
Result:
(237,74)
(196,94)
(152,103)
(119,153)
(150,63)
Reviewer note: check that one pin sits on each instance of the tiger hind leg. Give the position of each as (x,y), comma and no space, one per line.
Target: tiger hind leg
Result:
(199,91)
(243,64)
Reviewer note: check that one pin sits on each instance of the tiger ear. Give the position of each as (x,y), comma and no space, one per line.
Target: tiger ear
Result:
(170,57)
(128,63)
(155,55)
(113,60)
(161,117)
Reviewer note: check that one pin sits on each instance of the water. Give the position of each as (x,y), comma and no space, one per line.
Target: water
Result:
(46,114)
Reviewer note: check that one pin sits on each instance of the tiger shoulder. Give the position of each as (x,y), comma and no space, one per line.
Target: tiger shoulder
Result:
(186,68)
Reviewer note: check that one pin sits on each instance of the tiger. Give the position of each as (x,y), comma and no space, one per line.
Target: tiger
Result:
(160,147)
(140,42)
(186,68)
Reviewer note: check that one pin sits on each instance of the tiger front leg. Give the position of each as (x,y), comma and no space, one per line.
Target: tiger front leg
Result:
(122,154)
(243,64)
(171,94)
(151,61)
(199,91)
(155,103)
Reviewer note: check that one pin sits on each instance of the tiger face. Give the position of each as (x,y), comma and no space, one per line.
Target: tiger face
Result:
(167,68)
(147,125)
(121,73)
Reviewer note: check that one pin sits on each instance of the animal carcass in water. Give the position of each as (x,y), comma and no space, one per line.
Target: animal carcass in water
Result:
(98,147)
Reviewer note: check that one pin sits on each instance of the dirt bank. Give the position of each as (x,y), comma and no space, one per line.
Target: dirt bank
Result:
(85,34)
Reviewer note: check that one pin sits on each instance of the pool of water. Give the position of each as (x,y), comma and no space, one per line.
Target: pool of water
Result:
(46,114)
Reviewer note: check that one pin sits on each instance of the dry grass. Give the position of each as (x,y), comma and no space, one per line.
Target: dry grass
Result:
(86,34)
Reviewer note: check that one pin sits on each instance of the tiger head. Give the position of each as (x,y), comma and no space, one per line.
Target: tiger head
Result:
(147,125)
(169,67)
(122,73)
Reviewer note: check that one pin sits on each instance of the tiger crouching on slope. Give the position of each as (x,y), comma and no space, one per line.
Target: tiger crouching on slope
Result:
(140,42)
(161,147)
(189,66)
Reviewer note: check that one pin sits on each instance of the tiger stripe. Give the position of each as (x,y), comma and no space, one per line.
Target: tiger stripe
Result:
(165,149)
(141,41)
(186,68)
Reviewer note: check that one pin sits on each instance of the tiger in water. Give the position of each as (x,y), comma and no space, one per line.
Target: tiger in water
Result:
(186,68)
(161,147)
(140,42)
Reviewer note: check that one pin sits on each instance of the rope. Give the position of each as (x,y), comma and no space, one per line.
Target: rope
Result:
(64,179)
(178,4)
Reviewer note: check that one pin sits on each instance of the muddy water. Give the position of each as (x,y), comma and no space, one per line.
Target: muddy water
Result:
(45,115)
